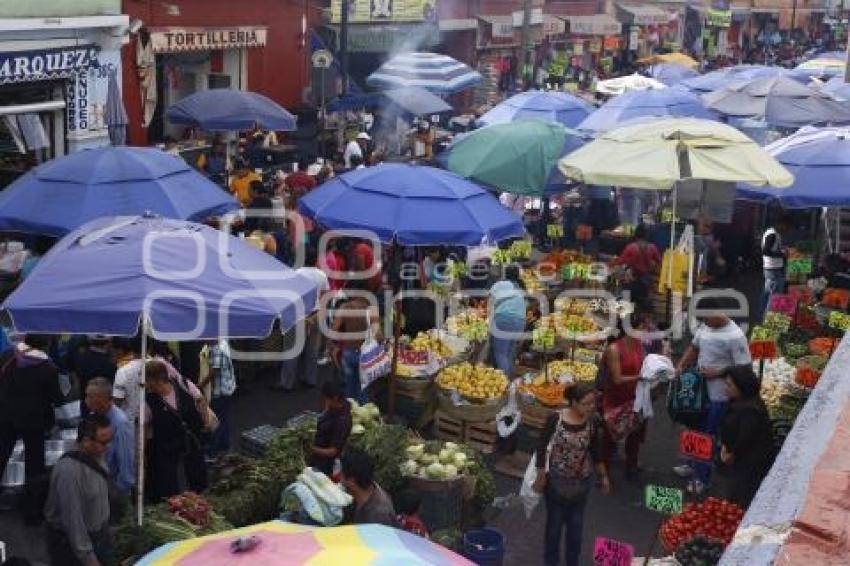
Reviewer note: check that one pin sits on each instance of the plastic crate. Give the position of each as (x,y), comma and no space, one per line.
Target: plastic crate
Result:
(254,442)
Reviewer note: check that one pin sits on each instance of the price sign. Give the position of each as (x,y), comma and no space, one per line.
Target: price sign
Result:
(581,270)
(696,445)
(839,320)
(667,215)
(763,349)
(667,500)
(554,231)
(610,552)
(785,304)
(801,265)
(584,232)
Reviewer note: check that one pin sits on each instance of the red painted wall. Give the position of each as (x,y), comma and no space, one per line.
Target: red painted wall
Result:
(279,70)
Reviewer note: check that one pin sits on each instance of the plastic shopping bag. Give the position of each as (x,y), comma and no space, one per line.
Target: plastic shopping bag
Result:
(527,495)
(375,362)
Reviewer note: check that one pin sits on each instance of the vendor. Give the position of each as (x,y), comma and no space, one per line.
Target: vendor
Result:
(332,430)
(643,260)
(240,186)
(773,263)
(508,298)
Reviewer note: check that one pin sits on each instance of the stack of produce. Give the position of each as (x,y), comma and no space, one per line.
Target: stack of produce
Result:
(571,305)
(571,371)
(521,249)
(431,342)
(809,369)
(435,460)
(478,383)
(531,280)
(699,551)
(781,395)
(181,517)
(471,324)
(714,518)
(364,417)
(823,345)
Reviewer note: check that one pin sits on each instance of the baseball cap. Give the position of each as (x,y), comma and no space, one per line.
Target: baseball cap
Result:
(363,136)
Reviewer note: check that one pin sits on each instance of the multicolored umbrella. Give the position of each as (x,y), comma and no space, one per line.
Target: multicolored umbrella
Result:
(288,544)
(438,73)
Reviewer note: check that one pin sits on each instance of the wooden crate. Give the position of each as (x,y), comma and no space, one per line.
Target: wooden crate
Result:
(481,436)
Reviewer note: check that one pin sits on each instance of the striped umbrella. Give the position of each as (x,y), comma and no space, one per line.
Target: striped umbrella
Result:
(431,71)
(115,115)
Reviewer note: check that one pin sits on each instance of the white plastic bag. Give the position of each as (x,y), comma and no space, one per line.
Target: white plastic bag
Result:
(527,495)
(509,416)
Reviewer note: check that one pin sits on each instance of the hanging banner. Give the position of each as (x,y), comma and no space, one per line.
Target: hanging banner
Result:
(85,96)
(377,11)
(173,40)
(46,64)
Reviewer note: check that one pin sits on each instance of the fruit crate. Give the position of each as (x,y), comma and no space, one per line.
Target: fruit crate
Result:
(481,436)
(255,441)
(417,411)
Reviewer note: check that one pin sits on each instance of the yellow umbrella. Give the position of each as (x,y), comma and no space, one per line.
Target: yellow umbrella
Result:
(659,153)
(677,58)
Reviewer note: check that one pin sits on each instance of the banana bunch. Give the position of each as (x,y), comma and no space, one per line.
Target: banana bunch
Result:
(471,325)
(478,382)
(566,371)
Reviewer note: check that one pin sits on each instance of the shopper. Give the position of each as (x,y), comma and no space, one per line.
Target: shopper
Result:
(77,509)
(746,436)
(94,359)
(718,345)
(175,424)
(300,183)
(120,457)
(570,447)
(508,303)
(643,261)
(29,390)
(358,146)
(221,380)
(773,263)
(622,362)
(372,505)
(351,321)
(332,429)
(240,185)
(333,263)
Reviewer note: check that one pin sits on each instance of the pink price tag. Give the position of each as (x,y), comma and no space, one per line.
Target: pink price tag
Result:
(786,304)
(610,552)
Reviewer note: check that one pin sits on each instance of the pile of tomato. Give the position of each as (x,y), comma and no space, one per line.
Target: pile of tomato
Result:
(714,518)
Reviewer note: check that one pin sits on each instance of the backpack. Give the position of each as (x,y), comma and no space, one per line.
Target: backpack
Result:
(687,399)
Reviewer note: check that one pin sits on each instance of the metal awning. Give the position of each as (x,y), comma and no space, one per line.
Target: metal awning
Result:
(642,15)
(598,24)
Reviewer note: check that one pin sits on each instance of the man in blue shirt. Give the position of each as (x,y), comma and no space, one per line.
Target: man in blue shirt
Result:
(121,454)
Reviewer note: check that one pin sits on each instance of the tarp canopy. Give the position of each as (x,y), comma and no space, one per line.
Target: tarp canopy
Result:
(658,154)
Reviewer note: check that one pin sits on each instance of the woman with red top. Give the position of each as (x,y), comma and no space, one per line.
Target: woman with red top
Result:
(333,264)
(643,260)
(622,362)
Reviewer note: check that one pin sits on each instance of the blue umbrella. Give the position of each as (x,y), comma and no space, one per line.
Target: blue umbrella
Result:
(723,77)
(411,205)
(668,102)
(65,193)
(230,110)
(180,276)
(819,158)
(432,71)
(114,113)
(837,88)
(560,107)
(671,73)
(417,101)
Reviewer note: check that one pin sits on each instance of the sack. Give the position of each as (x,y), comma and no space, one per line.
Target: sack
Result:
(375,362)
(622,421)
(687,399)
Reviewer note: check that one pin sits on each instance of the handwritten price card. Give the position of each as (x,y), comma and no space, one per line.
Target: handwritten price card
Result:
(667,500)
(785,304)
(800,265)
(696,445)
(763,349)
(610,552)
(554,231)
(584,232)
(839,320)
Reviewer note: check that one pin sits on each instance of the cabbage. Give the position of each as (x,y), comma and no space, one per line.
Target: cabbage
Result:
(409,468)
(435,471)
(459,460)
(358,429)
(427,459)
(415,451)
(450,471)
(372,410)
(451,446)
(446,456)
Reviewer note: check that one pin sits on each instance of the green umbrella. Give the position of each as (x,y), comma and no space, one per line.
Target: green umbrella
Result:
(517,157)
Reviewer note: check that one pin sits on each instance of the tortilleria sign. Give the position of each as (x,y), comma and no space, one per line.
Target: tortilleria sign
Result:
(170,40)
(45,64)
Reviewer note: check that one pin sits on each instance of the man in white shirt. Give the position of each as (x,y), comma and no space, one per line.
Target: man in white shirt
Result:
(718,345)
(357,146)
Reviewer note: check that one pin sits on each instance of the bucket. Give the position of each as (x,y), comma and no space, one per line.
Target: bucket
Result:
(485,547)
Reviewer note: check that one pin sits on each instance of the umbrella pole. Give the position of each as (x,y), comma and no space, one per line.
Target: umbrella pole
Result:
(396,339)
(140,484)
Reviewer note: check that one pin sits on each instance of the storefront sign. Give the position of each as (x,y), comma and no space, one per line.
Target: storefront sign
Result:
(634,37)
(502,29)
(170,40)
(553,25)
(600,24)
(718,18)
(376,11)
(368,39)
(86,93)
(595,46)
(45,64)
(611,43)
(535,17)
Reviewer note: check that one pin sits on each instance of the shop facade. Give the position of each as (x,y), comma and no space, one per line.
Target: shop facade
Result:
(54,80)
(262,46)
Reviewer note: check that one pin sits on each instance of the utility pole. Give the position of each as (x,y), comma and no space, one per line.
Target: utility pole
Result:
(343,44)
(793,20)
(525,38)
